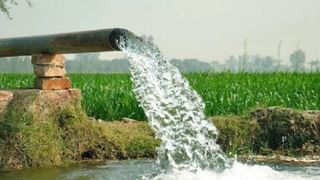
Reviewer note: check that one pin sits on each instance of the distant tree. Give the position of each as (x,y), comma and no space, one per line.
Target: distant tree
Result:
(268,63)
(87,56)
(5,5)
(315,65)
(20,64)
(216,66)
(192,65)
(231,63)
(91,63)
(262,64)
(297,60)
(243,62)
(85,62)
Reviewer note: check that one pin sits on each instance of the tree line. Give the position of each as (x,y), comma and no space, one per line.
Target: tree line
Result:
(92,63)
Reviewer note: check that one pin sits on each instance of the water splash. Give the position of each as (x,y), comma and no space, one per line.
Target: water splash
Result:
(173,109)
(238,171)
(176,113)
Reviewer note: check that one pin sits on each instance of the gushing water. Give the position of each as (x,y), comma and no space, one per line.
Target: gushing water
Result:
(188,147)
(173,109)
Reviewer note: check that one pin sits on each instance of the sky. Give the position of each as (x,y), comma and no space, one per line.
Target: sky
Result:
(209,30)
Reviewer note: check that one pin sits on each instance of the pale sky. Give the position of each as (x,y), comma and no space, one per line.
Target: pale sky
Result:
(204,29)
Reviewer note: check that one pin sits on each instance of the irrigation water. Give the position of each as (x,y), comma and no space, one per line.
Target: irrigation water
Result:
(175,111)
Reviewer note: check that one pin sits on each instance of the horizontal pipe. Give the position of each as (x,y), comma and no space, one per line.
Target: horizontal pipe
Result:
(74,42)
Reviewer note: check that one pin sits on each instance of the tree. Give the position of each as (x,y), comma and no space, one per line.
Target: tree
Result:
(5,6)
(86,61)
(231,63)
(297,60)
(315,65)
(262,64)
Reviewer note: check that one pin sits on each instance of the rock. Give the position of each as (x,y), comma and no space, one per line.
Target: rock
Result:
(45,59)
(49,71)
(53,83)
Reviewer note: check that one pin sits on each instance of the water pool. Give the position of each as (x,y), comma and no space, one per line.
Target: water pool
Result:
(148,169)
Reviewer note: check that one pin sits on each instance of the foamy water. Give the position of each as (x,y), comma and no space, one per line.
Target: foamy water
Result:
(176,113)
(237,171)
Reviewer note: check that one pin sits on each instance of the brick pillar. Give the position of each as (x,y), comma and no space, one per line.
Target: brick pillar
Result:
(50,72)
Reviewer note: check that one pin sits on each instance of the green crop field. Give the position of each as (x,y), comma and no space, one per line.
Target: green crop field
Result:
(109,96)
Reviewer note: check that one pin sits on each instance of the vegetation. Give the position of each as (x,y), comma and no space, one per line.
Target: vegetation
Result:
(68,136)
(297,59)
(237,134)
(5,6)
(270,131)
(110,96)
(92,63)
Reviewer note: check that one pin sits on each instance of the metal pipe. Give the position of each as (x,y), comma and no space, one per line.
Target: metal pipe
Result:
(74,42)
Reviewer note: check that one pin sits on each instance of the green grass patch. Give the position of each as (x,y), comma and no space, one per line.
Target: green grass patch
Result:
(110,96)
(70,136)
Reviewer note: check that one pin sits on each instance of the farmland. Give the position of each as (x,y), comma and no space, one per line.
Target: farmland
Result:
(109,96)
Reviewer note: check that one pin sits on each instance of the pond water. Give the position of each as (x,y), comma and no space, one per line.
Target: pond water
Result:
(148,169)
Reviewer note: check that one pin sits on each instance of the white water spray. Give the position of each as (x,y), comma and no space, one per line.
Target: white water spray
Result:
(188,147)
(173,109)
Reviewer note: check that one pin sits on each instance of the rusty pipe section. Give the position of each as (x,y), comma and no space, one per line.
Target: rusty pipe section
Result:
(74,42)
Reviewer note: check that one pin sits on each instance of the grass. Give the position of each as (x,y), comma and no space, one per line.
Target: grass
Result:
(109,96)
(236,134)
(69,136)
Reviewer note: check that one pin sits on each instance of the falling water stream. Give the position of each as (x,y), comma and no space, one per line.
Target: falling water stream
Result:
(176,113)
